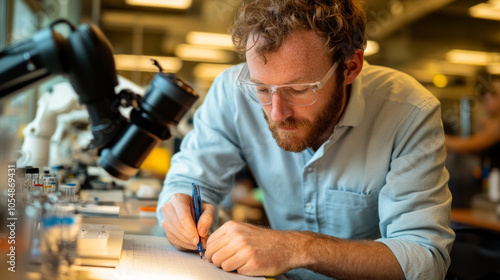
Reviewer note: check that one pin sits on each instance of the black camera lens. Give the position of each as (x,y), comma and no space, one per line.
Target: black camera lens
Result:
(165,102)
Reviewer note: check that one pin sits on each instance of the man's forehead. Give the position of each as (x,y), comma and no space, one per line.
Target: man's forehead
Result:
(300,45)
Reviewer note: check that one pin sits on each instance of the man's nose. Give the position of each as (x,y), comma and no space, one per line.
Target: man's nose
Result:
(280,109)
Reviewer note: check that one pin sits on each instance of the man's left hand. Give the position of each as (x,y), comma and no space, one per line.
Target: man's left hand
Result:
(252,250)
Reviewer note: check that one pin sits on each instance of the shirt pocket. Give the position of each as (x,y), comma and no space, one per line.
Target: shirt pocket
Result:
(352,215)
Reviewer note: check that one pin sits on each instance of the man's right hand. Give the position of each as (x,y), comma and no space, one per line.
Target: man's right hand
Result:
(179,222)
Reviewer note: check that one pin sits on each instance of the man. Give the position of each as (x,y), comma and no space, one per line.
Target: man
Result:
(349,156)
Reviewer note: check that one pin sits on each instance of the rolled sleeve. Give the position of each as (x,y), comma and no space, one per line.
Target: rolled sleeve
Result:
(414,205)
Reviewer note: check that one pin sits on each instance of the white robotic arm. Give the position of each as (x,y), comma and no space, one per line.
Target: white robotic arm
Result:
(51,122)
(60,155)
(59,99)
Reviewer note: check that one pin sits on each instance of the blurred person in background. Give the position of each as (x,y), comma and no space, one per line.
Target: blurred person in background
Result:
(486,142)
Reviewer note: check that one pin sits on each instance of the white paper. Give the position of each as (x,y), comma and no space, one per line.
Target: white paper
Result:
(151,257)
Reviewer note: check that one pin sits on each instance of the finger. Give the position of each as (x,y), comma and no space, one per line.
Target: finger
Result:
(179,244)
(243,270)
(204,241)
(227,226)
(172,231)
(206,219)
(248,268)
(223,254)
(234,262)
(217,240)
(184,214)
(172,226)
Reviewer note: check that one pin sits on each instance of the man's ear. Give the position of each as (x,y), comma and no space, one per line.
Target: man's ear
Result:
(354,65)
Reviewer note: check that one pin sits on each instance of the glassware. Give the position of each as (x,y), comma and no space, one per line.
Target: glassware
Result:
(61,227)
(70,192)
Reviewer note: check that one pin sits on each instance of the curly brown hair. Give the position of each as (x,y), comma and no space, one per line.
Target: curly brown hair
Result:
(341,22)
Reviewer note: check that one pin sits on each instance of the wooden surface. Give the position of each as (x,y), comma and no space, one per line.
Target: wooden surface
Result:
(482,214)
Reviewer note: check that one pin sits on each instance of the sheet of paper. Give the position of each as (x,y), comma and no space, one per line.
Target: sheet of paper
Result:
(151,257)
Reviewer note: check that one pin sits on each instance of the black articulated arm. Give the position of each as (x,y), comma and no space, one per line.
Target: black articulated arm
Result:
(29,61)
(85,57)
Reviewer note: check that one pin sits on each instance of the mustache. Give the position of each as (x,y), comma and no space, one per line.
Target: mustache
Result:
(288,123)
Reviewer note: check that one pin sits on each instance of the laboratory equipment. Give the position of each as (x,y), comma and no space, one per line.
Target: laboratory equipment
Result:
(85,57)
(59,99)
(60,228)
(70,192)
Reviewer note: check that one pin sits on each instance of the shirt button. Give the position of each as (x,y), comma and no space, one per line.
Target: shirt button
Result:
(310,169)
(308,206)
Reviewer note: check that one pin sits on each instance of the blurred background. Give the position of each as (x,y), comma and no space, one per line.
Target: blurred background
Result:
(441,43)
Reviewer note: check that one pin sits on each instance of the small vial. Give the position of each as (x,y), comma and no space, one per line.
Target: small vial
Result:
(53,184)
(70,192)
(59,174)
(35,179)
(28,183)
(47,186)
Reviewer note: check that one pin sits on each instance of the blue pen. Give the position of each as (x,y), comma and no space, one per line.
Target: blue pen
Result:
(198,210)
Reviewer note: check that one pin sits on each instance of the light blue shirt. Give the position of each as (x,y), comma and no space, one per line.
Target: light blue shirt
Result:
(380,176)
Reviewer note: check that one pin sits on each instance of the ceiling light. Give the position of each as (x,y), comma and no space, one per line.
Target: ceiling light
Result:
(203,54)
(218,40)
(489,10)
(129,62)
(171,4)
(209,71)
(372,47)
(472,57)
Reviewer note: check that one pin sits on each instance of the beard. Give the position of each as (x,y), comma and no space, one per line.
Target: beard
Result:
(306,133)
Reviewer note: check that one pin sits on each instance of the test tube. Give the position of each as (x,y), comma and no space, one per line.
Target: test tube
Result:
(53,184)
(42,178)
(28,183)
(37,186)
(35,183)
(59,174)
(47,186)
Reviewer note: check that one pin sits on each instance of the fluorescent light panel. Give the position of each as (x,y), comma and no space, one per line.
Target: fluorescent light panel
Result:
(128,62)
(489,10)
(202,54)
(209,71)
(218,40)
(171,4)
(472,57)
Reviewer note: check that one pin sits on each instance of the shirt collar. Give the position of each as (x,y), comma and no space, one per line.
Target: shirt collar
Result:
(355,110)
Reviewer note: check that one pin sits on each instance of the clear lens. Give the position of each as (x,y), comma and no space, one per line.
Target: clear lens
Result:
(261,93)
(295,95)
(298,95)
